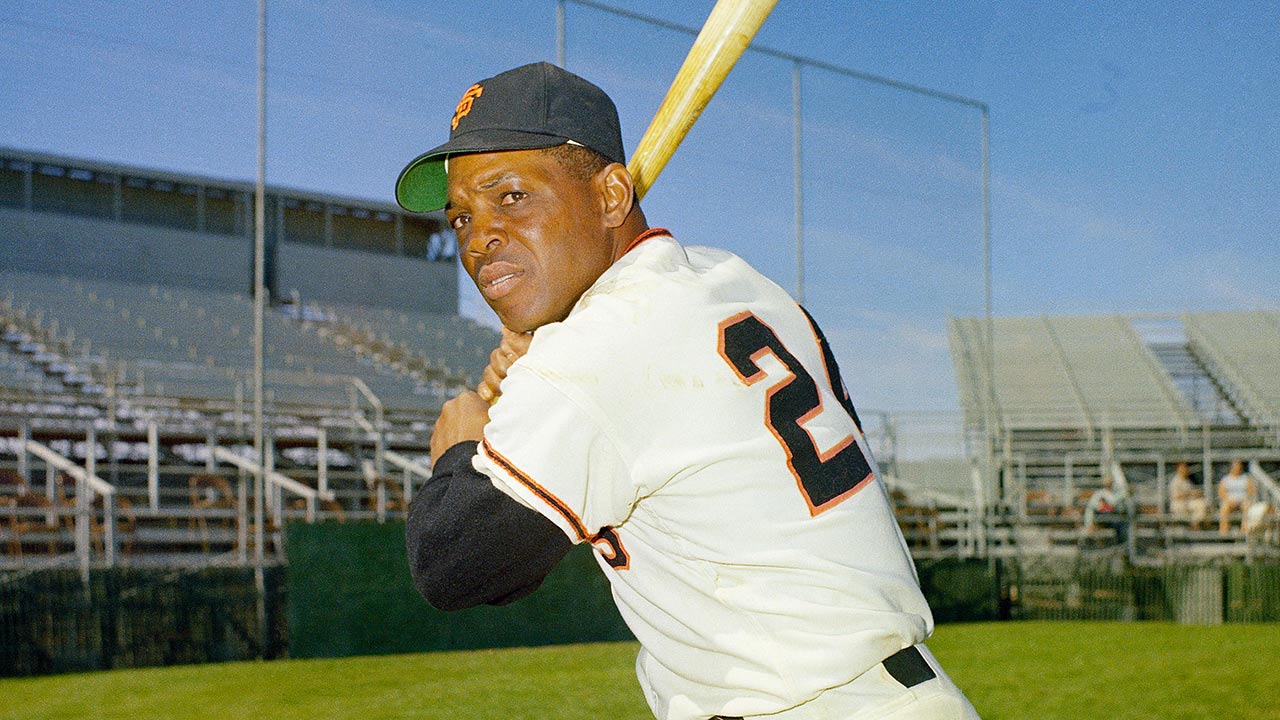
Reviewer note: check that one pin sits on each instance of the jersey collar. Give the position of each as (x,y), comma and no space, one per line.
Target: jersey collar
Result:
(650,233)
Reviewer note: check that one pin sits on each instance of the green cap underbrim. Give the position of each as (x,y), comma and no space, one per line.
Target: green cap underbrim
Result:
(423,185)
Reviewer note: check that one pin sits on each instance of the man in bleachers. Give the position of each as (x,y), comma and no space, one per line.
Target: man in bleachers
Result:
(1110,506)
(1235,492)
(1186,501)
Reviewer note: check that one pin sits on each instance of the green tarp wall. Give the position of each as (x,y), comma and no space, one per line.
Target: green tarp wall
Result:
(349,593)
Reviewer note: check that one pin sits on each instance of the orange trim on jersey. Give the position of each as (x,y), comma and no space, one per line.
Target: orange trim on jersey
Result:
(835,449)
(544,494)
(612,548)
(613,551)
(650,233)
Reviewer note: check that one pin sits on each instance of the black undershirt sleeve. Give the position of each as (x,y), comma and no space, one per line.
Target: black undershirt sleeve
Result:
(471,544)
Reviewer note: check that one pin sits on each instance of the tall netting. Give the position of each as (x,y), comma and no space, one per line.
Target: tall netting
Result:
(889,179)
(887,197)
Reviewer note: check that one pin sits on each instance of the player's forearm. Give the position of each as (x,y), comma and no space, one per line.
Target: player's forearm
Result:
(470,544)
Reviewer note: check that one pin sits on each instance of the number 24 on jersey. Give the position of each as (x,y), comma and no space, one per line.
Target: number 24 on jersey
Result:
(824,478)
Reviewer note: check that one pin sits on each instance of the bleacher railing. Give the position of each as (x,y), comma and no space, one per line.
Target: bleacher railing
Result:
(410,469)
(377,429)
(280,481)
(87,484)
(1270,491)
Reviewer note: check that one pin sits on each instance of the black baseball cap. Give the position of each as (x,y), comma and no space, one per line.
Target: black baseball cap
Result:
(533,106)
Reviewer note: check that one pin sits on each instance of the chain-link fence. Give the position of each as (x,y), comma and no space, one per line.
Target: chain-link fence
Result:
(52,622)
(1109,589)
(336,605)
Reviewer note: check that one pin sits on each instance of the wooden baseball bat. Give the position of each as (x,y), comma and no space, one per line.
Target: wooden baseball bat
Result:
(722,40)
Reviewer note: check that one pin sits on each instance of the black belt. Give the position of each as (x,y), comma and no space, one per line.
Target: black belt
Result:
(907,666)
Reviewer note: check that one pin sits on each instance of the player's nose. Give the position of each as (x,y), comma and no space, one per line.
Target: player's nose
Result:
(485,236)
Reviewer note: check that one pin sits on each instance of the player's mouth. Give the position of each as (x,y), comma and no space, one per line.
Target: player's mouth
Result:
(498,278)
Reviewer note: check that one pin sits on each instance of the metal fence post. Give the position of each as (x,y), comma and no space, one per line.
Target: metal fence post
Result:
(153,465)
(24,468)
(322,461)
(82,528)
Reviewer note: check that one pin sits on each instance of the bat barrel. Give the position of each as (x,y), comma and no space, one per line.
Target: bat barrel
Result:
(722,40)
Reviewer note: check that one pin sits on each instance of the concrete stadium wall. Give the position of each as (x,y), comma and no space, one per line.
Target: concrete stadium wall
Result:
(360,278)
(59,244)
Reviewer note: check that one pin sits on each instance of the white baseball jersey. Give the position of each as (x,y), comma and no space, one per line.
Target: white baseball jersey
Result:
(682,420)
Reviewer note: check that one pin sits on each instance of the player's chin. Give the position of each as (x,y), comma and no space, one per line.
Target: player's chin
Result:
(513,319)
(522,319)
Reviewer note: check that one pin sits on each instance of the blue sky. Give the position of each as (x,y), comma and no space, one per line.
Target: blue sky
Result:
(1134,146)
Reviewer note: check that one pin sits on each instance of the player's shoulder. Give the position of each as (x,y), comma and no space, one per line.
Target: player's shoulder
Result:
(661,275)
(655,297)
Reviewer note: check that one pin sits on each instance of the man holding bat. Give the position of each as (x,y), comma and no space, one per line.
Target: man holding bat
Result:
(673,408)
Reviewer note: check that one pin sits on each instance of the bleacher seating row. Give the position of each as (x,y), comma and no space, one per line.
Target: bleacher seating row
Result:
(184,342)
(1242,348)
(1090,372)
(156,381)
(105,363)
(184,507)
(1095,372)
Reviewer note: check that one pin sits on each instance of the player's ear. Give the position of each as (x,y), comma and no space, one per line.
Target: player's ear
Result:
(616,192)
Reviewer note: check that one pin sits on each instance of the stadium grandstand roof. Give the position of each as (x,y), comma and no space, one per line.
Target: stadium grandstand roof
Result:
(1095,372)
(87,169)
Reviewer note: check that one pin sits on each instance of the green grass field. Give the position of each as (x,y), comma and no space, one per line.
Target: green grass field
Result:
(1011,671)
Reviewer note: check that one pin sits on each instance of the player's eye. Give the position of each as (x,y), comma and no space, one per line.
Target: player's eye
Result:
(460,220)
(513,196)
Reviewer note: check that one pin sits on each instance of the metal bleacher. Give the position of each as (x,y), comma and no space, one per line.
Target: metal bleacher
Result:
(459,346)
(1076,400)
(1242,348)
(156,381)
(191,343)
(1078,372)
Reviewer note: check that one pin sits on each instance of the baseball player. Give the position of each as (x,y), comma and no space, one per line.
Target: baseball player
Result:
(673,408)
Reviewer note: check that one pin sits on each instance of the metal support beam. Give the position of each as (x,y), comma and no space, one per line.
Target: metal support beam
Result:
(560,35)
(797,176)
(259,261)
(24,467)
(322,461)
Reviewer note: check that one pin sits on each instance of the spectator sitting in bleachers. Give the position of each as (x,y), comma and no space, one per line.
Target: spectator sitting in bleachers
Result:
(1110,506)
(1186,501)
(1235,492)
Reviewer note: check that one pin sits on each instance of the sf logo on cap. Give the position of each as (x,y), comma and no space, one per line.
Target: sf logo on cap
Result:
(464,105)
